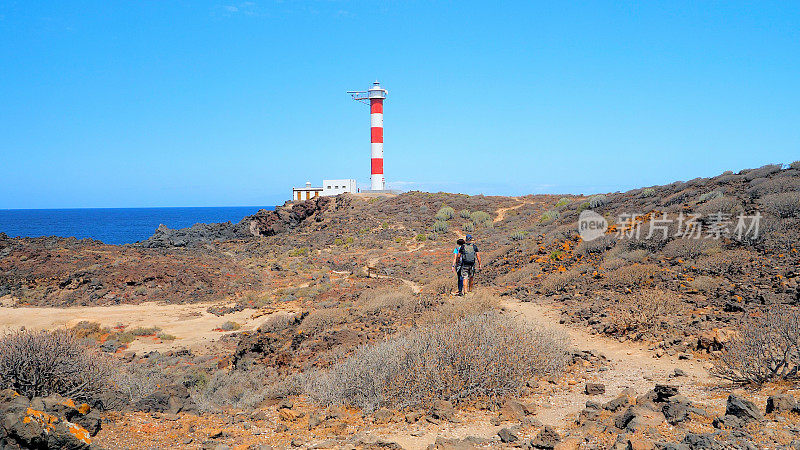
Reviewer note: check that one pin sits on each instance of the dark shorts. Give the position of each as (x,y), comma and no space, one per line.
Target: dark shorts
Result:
(466,271)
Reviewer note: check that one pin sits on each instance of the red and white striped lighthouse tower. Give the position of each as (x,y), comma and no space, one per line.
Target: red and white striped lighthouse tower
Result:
(376,94)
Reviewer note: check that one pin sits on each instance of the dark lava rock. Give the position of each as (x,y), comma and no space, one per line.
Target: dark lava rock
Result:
(595,389)
(507,435)
(546,439)
(781,403)
(743,409)
(43,423)
(170,399)
(664,392)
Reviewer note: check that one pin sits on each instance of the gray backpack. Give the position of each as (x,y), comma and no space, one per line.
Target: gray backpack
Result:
(467,252)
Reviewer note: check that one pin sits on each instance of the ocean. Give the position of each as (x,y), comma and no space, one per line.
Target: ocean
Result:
(113,225)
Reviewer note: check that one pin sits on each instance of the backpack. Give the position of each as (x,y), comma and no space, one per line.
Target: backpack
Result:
(467,253)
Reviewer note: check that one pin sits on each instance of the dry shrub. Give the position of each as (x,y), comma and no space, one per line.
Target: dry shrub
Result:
(689,248)
(633,275)
(729,261)
(645,309)
(41,363)
(774,186)
(762,172)
(242,389)
(784,205)
(487,355)
(382,301)
(705,284)
(558,281)
(524,274)
(598,245)
(764,348)
(454,310)
(726,205)
(321,320)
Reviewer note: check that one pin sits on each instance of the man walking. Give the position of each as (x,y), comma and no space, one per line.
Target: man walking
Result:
(465,259)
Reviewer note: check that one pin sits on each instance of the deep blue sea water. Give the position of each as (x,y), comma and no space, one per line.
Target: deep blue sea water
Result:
(113,225)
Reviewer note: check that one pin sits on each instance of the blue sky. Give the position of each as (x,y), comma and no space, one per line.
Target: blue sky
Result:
(193,103)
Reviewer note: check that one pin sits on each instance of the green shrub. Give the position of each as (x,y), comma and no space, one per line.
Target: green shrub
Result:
(349,240)
(709,196)
(421,238)
(563,201)
(145,331)
(166,337)
(597,201)
(230,326)
(549,216)
(480,217)
(469,227)
(446,213)
(439,226)
(584,206)
(648,192)
(338,241)
(302,251)
(464,213)
(517,236)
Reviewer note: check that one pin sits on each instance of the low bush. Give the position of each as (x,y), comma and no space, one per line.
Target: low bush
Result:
(765,347)
(648,192)
(469,227)
(685,248)
(486,355)
(645,309)
(774,186)
(709,196)
(563,201)
(41,363)
(633,275)
(558,281)
(762,172)
(446,213)
(242,389)
(597,201)
(549,216)
(439,227)
(795,165)
(786,204)
(598,245)
(464,213)
(517,236)
(480,217)
(230,326)
(144,331)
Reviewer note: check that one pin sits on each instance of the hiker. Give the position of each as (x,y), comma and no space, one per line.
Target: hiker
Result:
(465,258)
(457,265)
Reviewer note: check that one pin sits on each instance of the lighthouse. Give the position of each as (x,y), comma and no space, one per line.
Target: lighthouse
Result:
(375,96)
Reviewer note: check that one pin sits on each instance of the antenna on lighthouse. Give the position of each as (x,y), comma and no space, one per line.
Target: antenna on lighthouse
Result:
(374,96)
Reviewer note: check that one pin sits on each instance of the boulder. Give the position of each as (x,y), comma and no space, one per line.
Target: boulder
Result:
(594,389)
(43,423)
(507,435)
(516,410)
(443,410)
(170,399)
(781,403)
(546,439)
(742,409)
(664,392)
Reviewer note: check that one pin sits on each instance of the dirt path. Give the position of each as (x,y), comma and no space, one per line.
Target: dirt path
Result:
(631,364)
(192,324)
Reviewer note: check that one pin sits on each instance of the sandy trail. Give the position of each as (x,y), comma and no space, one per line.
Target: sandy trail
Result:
(631,364)
(190,323)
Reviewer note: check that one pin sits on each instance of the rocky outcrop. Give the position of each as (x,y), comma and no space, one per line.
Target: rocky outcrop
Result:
(46,422)
(169,399)
(263,223)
